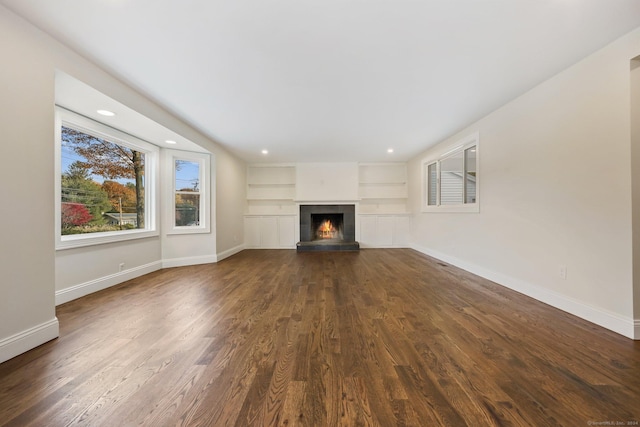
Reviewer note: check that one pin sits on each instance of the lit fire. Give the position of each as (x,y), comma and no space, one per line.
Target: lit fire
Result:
(327,230)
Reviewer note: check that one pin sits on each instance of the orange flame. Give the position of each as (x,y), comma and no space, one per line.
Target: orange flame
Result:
(327,230)
(327,226)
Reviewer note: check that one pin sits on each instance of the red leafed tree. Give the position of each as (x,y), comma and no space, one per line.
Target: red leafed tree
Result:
(74,214)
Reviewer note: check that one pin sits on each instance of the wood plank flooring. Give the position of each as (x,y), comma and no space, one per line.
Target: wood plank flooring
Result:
(279,338)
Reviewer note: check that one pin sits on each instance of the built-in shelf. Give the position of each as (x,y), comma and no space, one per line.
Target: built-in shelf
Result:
(375,184)
(275,183)
(271,175)
(384,230)
(383,187)
(272,204)
(383,198)
(271,185)
(270,231)
(270,210)
(284,199)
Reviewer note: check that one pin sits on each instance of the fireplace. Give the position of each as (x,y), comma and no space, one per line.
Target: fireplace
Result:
(327,228)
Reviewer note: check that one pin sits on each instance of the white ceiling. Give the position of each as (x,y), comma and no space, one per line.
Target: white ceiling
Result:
(332,80)
(76,96)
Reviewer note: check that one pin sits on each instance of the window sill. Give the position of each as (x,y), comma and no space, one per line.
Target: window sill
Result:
(474,208)
(188,230)
(83,240)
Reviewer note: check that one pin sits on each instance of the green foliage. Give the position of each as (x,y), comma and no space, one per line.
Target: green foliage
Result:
(77,188)
(109,160)
(95,228)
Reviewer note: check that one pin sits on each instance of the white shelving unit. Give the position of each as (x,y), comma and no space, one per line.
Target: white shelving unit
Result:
(383,219)
(272,183)
(270,210)
(384,231)
(269,231)
(271,189)
(383,187)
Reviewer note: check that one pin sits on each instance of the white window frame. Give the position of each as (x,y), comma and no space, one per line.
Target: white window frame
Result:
(204,162)
(64,117)
(444,153)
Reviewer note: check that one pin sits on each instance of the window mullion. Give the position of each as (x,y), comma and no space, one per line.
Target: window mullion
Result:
(438,183)
(452,178)
(464,175)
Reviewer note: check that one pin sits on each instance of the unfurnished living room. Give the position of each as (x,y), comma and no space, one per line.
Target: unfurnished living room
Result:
(305,213)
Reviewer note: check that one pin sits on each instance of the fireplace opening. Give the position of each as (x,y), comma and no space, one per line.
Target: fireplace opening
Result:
(327,227)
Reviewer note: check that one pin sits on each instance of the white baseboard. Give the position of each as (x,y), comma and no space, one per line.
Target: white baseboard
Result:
(24,341)
(82,289)
(229,252)
(194,260)
(609,320)
(77,291)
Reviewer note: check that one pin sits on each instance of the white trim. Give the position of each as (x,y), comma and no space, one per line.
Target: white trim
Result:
(470,207)
(229,252)
(204,163)
(622,325)
(91,239)
(186,261)
(453,150)
(86,288)
(387,214)
(327,202)
(77,291)
(28,339)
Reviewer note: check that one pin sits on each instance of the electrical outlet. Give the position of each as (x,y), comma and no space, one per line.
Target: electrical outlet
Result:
(562,271)
(121,266)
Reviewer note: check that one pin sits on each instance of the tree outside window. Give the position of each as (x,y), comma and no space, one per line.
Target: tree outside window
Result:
(187,193)
(101,178)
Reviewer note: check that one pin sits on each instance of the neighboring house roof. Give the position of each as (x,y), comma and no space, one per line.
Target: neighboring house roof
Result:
(126,217)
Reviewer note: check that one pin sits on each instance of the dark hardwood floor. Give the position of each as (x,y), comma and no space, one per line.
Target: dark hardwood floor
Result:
(379,337)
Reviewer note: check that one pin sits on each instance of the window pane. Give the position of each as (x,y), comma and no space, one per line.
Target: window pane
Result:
(470,174)
(451,182)
(187,176)
(102,185)
(432,184)
(187,210)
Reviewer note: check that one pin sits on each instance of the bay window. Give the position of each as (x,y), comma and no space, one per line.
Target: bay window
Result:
(105,183)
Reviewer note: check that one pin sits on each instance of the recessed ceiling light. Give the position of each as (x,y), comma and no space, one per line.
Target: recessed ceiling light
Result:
(389,150)
(106,113)
(169,141)
(265,152)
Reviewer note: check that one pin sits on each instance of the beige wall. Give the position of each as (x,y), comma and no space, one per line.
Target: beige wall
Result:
(231,187)
(555,190)
(26,211)
(635,171)
(31,269)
